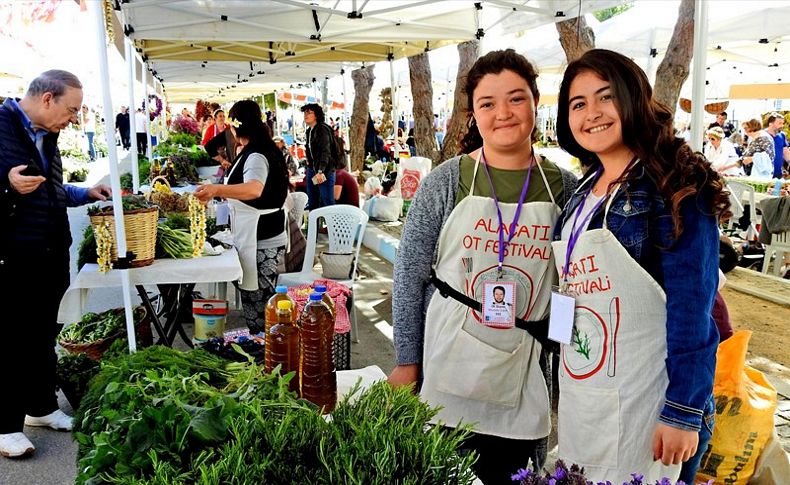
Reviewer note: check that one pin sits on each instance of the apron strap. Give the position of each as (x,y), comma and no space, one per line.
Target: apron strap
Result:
(545,181)
(539,329)
(474,174)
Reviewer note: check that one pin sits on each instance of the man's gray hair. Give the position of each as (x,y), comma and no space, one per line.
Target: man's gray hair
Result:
(53,81)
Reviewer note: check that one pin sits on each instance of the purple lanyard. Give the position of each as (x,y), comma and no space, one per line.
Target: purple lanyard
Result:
(576,232)
(511,231)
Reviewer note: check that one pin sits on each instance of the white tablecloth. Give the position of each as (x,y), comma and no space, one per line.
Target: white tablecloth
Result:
(208,269)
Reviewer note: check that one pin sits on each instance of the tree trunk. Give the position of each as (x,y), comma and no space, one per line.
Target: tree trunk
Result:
(576,37)
(674,69)
(363,82)
(467,54)
(422,94)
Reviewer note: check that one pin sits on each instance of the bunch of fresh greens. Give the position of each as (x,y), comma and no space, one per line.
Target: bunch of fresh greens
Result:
(126,181)
(73,373)
(177,221)
(130,203)
(173,243)
(211,226)
(164,417)
(183,167)
(97,326)
(86,253)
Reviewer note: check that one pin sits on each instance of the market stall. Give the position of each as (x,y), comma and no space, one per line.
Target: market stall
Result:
(188,272)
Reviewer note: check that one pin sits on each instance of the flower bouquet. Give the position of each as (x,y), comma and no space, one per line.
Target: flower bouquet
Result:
(574,475)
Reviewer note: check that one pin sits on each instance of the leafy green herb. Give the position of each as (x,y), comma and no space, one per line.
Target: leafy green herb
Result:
(163,417)
(97,326)
(86,253)
(130,203)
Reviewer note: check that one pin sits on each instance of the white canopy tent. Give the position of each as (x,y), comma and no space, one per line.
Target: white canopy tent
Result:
(180,39)
(288,41)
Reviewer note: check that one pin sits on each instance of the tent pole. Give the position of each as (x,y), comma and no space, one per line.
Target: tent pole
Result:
(293,116)
(393,91)
(146,118)
(120,228)
(130,62)
(698,72)
(346,124)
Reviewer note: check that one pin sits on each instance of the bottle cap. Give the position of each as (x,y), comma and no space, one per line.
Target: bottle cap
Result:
(283,305)
(315,296)
(281,289)
(319,288)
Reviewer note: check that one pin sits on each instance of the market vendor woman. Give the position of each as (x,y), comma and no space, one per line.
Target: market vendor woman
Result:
(256,187)
(481,369)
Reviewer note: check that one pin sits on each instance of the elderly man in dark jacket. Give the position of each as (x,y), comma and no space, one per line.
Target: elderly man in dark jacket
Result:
(34,252)
(320,165)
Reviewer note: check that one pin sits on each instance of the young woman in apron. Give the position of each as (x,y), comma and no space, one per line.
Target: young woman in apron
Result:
(256,187)
(480,365)
(637,257)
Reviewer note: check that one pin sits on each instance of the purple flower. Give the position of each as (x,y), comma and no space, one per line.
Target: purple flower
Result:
(637,478)
(521,474)
(667,481)
(560,473)
(552,481)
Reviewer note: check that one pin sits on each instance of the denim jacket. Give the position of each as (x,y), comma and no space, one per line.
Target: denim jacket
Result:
(687,271)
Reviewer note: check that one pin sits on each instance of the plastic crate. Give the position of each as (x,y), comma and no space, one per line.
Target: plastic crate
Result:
(341,350)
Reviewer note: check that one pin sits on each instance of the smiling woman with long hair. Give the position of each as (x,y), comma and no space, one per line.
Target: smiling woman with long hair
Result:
(637,253)
(481,220)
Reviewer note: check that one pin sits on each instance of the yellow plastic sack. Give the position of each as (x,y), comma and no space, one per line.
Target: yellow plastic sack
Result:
(745,406)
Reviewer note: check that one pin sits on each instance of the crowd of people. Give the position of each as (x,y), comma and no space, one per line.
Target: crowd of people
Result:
(760,150)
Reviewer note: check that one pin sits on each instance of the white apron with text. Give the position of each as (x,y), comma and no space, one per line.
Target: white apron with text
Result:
(612,376)
(487,376)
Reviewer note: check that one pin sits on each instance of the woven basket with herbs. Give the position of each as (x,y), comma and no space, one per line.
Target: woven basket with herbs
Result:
(96,332)
(140,220)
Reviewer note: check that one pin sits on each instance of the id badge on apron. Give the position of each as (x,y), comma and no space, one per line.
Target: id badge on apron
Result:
(499,303)
(563,311)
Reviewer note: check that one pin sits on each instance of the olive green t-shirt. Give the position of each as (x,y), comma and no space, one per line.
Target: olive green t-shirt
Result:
(509,183)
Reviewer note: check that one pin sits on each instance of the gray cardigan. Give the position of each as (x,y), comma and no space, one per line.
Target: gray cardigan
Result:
(412,291)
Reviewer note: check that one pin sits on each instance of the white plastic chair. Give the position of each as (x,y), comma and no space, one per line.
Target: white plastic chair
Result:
(737,191)
(345,226)
(298,203)
(780,243)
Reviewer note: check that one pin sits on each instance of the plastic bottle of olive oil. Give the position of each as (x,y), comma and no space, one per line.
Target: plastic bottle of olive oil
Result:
(330,302)
(282,344)
(319,380)
(270,313)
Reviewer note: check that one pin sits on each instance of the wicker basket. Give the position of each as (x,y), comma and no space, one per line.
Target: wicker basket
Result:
(96,349)
(140,234)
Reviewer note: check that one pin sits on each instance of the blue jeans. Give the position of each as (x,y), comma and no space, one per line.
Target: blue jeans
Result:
(91,149)
(322,194)
(689,469)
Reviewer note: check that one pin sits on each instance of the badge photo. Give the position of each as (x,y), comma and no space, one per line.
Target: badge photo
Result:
(499,298)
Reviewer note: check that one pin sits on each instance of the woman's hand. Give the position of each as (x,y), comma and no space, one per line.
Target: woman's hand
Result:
(674,446)
(206,192)
(404,375)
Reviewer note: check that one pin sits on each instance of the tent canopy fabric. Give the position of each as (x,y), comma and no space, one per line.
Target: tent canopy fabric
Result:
(748,44)
(290,41)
